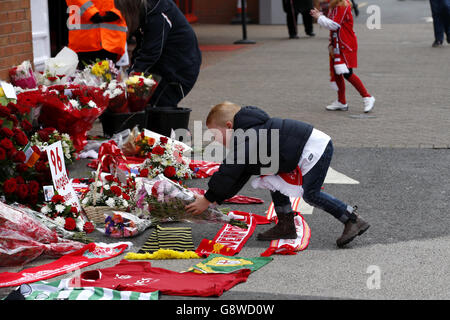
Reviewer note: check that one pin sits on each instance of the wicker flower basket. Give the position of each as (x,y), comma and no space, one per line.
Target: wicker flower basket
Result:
(97,214)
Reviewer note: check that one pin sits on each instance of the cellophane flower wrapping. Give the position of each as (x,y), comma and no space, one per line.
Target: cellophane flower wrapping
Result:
(47,136)
(117,95)
(72,109)
(23,76)
(163,156)
(24,238)
(140,89)
(164,201)
(107,190)
(60,69)
(54,225)
(119,224)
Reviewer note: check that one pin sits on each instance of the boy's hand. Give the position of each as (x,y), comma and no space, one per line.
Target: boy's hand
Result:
(198,206)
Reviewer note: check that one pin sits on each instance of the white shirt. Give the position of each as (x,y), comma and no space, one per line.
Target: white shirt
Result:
(313,150)
(328,23)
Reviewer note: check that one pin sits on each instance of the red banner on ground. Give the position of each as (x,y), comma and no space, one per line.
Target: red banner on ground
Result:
(88,255)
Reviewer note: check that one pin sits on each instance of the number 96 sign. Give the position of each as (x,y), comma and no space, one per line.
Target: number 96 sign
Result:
(61,181)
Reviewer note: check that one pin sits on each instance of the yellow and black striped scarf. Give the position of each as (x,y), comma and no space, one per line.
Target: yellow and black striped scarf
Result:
(179,239)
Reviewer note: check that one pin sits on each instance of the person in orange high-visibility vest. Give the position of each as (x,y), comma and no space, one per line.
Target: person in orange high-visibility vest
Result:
(97,30)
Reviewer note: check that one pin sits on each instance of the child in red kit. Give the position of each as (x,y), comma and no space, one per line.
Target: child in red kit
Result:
(343,52)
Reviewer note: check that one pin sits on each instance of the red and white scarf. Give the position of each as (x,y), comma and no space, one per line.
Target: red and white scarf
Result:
(289,184)
(291,246)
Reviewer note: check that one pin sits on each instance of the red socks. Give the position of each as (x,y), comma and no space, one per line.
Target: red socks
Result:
(357,83)
(340,82)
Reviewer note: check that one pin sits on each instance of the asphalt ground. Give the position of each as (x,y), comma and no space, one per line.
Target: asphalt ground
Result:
(399,153)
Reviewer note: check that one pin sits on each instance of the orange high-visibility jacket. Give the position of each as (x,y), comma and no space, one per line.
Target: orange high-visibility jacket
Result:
(86,36)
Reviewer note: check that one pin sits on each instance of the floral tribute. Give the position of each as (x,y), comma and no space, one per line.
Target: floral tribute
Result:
(140,89)
(110,192)
(72,110)
(23,167)
(65,215)
(47,136)
(163,200)
(162,157)
(23,76)
(117,95)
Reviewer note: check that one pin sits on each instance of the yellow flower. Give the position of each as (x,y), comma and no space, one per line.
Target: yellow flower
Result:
(2,93)
(133,80)
(100,68)
(97,70)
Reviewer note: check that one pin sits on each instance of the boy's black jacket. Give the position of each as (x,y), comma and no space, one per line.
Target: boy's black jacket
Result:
(167,44)
(233,175)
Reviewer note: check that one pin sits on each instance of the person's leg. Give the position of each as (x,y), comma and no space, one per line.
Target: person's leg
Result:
(312,183)
(339,78)
(446,18)
(285,228)
(369,100)
(313,195)
(308,23)
(341,103)
(357,83)
(291,18)
(167,94)
(436,9)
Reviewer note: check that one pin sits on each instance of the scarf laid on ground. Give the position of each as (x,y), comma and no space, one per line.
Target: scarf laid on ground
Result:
(60,290)
(228,241)
(88,255)
(216,263)
(291,246)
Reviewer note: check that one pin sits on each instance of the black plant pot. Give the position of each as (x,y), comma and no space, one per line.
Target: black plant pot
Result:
(163,119)
(116,122)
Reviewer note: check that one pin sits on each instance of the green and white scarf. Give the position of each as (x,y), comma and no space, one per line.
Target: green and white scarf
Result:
(60,290)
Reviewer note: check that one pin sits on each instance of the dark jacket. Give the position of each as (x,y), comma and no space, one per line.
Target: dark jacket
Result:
(167,44)
(233,174)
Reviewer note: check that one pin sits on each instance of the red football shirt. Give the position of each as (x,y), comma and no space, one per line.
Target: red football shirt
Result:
(140,276)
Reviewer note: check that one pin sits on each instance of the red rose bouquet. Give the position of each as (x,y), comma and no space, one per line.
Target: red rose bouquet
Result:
(162,157)
(65,215)
(140,89)
(23,168)
(73,110)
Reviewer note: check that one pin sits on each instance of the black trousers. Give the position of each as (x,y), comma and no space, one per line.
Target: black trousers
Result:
(168,94)
(293,9)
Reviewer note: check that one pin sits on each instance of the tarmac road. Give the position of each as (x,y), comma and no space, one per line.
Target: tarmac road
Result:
(399,154)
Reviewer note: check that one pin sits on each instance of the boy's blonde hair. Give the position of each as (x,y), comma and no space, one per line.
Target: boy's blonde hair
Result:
(221,113)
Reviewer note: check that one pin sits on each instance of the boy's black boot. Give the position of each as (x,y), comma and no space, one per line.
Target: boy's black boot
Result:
(284,229)
(355,226)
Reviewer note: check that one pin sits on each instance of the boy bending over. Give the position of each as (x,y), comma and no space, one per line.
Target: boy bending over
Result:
(303,153)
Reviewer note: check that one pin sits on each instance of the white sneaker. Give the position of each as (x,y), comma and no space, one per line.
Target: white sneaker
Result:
(369,102)
(336,105)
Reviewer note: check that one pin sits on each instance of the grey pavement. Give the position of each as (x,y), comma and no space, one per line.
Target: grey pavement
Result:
(399,153)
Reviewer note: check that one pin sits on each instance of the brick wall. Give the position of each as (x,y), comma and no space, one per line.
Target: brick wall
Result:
(222,12)
(16,44)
